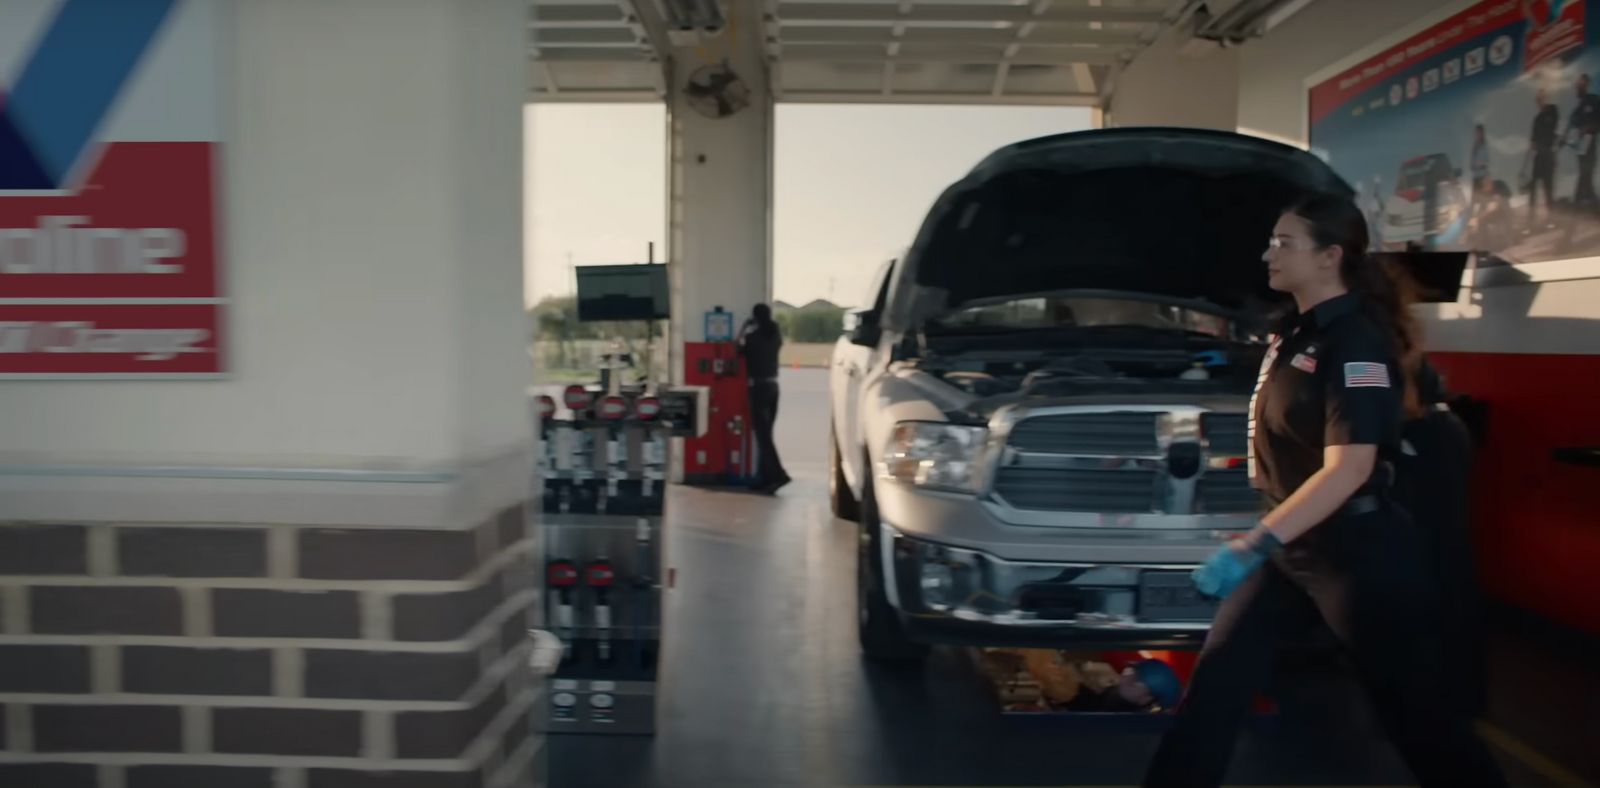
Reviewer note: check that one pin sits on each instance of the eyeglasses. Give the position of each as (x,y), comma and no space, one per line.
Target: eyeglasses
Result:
(1280,242)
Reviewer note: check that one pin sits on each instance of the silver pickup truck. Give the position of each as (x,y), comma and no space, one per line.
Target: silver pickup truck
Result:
(1039,420)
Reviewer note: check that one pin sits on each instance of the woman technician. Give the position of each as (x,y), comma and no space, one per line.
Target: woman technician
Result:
(1326,415)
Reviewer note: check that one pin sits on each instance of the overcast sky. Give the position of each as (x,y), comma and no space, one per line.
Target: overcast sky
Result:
(849,193)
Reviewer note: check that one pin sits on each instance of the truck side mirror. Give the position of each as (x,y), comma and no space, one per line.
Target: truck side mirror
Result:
(861,328)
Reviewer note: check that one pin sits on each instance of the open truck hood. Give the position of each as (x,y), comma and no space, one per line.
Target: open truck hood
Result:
(1176,212)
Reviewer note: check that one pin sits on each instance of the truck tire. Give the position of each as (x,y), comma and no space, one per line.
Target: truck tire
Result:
(841,500)
(882,635)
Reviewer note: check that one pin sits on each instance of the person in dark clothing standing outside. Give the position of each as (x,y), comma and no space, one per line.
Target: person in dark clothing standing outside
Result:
(1542,150)
(1325,423)
(759,343)
(1582,126)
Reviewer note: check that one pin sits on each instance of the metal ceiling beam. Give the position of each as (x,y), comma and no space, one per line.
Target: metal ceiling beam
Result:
(885,35)
(577,36)
(772,48)
(594,54)
(1037,37)
(550,14)
(897,33)
(645,16)
(619,96)
(1022,31)
(812,53)
(1085,78)
(887,13)
(938,97)
(822,34)
(551,85)
(1176,17)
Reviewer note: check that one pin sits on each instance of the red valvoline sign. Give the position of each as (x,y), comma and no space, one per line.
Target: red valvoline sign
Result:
(1487,112)
(1555,27)
(109,143)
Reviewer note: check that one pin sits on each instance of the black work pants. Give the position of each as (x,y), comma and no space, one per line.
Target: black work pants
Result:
(1544,180)
(1366,576)
(1432,484)
(764,412)
(1584,196)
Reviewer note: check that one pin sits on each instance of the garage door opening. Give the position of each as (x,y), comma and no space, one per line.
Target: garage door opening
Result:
(852,185)
(594,194)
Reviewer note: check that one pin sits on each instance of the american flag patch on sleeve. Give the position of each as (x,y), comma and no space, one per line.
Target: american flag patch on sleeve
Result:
(1366,374)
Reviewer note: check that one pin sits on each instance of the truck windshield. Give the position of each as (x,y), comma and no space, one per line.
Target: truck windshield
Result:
(1096,311)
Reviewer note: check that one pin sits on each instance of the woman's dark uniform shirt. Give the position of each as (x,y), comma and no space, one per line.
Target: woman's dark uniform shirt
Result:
(1330,378)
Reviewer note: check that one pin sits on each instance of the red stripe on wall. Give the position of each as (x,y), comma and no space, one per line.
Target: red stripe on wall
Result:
(1536,520)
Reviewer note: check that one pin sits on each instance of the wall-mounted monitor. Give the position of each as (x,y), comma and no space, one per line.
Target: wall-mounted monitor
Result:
(623,292)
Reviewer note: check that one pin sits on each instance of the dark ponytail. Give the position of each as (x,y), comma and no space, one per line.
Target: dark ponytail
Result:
(1337,221)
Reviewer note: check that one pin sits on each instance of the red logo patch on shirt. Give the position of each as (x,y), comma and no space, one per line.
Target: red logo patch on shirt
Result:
(1304,363)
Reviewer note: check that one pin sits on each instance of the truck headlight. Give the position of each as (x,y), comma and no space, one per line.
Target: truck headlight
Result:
(935,456)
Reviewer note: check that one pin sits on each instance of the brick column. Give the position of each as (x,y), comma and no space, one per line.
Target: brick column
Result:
(291,656)
(314,572)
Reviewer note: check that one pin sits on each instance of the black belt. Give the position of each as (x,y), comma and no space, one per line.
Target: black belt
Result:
(1366,503)
(1362,504)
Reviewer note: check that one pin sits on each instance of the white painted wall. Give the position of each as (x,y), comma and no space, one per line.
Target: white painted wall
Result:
(1166,87)
(719,223)
(1273,69)
(487,190)
(372,251)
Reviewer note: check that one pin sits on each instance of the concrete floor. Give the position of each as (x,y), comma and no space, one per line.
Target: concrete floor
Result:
(764,685)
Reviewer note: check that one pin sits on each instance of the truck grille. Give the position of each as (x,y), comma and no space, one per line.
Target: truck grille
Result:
(1117,491)
(1226,492)
(1111,434)
(1113,462)
(1225,432)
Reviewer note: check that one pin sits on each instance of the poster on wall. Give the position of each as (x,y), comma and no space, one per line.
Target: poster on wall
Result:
(110,133)
(1478,133)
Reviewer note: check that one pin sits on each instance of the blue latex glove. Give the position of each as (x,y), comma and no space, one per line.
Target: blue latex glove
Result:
(1234,562)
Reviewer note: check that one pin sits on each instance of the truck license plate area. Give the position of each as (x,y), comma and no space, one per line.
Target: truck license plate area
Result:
(1052,601)
(1171,596)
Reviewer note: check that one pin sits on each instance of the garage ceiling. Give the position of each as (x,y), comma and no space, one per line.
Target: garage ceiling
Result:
(966,52)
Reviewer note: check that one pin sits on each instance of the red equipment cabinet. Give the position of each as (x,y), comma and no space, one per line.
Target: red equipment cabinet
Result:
(725,454)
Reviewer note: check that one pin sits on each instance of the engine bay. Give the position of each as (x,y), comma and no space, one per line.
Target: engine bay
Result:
(1205,367)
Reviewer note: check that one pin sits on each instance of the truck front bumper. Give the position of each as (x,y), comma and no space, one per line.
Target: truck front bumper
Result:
(957,595)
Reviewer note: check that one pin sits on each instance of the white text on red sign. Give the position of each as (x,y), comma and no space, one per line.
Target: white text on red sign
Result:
(67,245)
(159,344)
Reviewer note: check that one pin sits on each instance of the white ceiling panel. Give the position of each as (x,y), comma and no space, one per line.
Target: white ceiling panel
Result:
(947,51)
